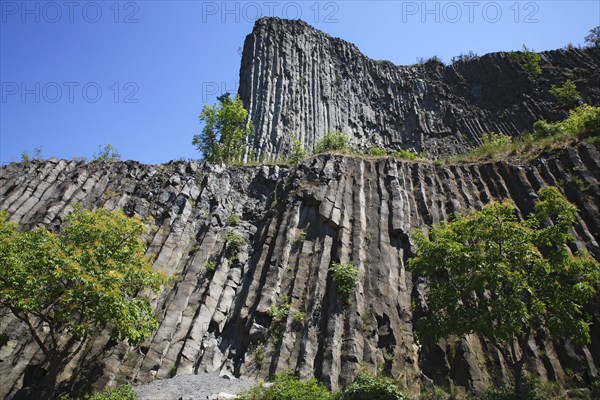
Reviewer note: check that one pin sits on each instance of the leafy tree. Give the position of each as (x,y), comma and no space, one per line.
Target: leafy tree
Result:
(333,141)
(297,153)
(502,278)
(287,387)
(77,282)
(225,130)
(529,60)
(566,95)
(593,39)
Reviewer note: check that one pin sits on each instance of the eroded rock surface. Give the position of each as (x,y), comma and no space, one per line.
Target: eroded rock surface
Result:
(299,82)
(349,209)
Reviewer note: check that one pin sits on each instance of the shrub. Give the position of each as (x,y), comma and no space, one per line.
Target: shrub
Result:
(281,311)
(234,219)
(297,153)
(345,276)
(234,242)
(377,152)
(109,154)
(471,55)
(533,390)
(287,387)
(583,121)
(123,392)
(566,95)
(299,239)
(367,386)
(211,266)
(529,60)
(405,155)
(333,141)
(593,39)
(299,318)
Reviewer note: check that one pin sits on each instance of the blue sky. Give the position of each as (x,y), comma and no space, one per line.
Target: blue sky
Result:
(77,75)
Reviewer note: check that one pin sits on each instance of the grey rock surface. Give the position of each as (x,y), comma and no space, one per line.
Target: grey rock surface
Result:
(350,209)
(193,387)
(298,82)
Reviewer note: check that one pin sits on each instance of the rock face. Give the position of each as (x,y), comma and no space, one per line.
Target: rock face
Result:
(294,222)
(299,82)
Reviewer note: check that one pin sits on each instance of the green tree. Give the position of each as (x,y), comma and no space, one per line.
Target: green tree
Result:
(529,60)
(297,152)
(593,39)
(494,275)
(77,282)
(345,276)
(566,95)
(225,130)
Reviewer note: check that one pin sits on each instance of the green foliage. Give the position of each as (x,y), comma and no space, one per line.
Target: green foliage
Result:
(25,156)
(123,392)
(333,141)
(299,318)
(234,220)
(297,153)
(287,387)
(211,266)
(502,278)
(593,39)
(566,95)
(281,311)
(529,60)
(78,281)
(299,239)
(108,154)
(258,355)
(533,389)
(225,130)
(345,276)
(377,152)
(596,388)
(583,123)
(367,386)
(405,155)
(235,241)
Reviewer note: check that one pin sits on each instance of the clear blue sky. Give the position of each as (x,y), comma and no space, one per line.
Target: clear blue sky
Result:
(135,74)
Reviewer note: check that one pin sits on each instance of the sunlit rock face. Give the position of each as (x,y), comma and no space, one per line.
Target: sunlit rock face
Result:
(300,82)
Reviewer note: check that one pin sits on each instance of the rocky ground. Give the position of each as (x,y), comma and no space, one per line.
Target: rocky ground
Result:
(193,387)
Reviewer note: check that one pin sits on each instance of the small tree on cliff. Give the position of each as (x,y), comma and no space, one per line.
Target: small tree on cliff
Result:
(69,286)
(502,278)
(225,130)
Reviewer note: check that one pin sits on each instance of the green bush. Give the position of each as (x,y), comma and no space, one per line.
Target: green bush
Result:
(211,266)
(533,390)
(583,121)
(377,152)
(405,155)
(345,276)
(109,154)
(529,60)
(234,220)
(123,392)
(566,95)
(234,243)
(299,239)
(281,311)
(287,387)
(369,387)
(333,141)
(297,153)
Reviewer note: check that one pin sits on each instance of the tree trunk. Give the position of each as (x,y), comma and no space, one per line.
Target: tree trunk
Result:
(518,377)
(49,386)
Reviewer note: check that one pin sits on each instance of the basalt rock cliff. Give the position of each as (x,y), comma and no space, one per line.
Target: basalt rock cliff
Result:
(299,82)
(295,222)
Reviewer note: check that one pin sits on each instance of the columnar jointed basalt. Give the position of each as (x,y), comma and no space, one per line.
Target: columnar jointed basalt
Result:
(294,224)
(299,82)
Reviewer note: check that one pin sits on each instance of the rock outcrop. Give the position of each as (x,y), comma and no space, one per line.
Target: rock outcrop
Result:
(294,222)
(298,82)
